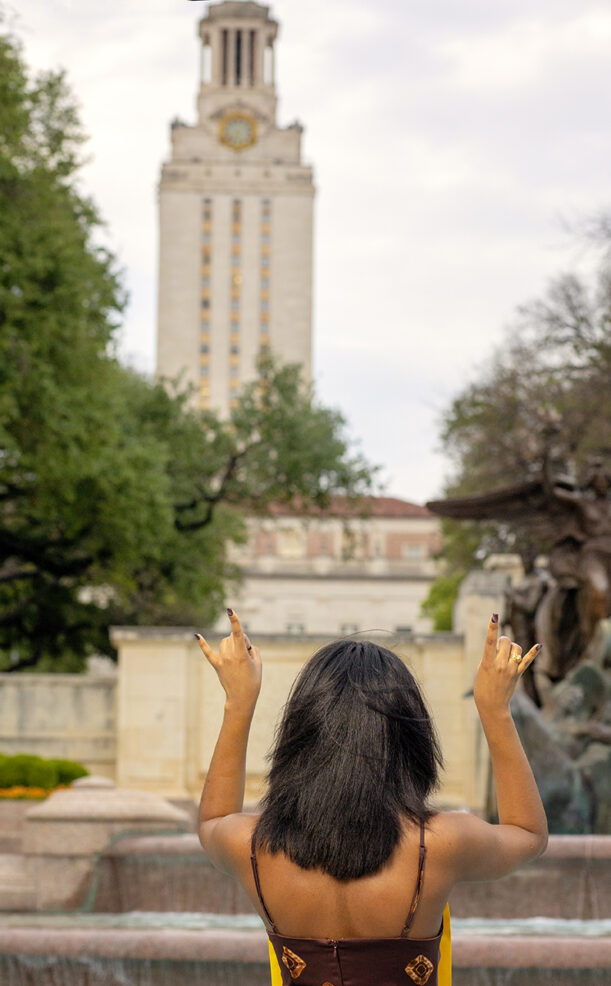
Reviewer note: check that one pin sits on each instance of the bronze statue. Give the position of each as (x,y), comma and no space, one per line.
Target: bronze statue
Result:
(577,525)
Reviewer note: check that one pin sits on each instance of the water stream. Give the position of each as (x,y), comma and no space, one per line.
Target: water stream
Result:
(187,921)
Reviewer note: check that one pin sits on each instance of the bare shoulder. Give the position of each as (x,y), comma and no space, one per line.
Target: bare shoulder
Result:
(474,849)
(227,840)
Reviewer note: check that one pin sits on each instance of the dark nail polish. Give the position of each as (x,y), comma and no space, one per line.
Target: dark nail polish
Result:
(538,648)
(196,635)
(229,612)
(495,617)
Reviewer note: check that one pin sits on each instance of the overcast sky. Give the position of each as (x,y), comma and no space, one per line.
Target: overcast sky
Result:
(451,139)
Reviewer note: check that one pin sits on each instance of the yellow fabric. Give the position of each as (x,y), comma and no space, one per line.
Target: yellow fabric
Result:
(273,961)
(444,974)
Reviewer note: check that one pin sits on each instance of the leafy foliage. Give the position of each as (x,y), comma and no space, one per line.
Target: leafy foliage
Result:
(29,770)
(117,499)
(439,603)
(544,396)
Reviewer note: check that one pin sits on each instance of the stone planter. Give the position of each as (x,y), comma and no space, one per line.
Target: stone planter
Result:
(65,835)
(12,822)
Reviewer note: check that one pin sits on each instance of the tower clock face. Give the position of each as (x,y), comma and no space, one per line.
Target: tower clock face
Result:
(238,130)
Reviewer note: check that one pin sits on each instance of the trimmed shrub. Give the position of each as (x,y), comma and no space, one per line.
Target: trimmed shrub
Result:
(42,773)
(68,770)
(28,770)
(14,770)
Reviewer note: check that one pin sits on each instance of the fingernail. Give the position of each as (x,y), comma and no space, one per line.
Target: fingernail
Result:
(196,635)
(495,617)
(229,612)
(538,648)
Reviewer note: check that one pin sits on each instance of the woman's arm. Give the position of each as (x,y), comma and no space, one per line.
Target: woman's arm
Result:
(490,851)
(238,665)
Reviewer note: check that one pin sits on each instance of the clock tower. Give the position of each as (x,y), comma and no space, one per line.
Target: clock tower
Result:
(235,219)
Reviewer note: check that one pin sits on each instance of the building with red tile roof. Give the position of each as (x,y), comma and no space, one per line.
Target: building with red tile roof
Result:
(340,569)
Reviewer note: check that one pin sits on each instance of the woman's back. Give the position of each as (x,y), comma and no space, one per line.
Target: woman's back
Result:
(354,953)
(312,904)
(348,866)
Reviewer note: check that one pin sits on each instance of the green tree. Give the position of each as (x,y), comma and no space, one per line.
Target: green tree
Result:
(117,499)
(545,393)
(439,603)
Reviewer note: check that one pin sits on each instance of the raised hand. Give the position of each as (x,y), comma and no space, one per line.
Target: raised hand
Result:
(238,666)
(501,668)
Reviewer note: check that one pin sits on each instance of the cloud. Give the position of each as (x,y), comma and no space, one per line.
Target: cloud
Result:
(447,139)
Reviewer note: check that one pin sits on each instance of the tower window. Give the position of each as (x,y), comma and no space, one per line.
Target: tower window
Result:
(225,56)
(205,302)
(251,58)
(203,371)
(238,58)
(235,304)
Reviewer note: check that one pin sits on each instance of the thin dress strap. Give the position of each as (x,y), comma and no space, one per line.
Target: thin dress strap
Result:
(419,880)
(255,873)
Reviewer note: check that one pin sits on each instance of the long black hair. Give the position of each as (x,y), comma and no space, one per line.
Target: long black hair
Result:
(355,754)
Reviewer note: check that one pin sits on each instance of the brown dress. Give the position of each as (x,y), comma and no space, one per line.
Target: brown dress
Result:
(357,961)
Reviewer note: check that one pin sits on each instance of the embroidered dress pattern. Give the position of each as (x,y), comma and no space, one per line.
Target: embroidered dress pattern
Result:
(420,969)
(293,962)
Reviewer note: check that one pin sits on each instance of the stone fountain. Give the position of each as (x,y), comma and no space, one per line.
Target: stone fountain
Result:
(115,891)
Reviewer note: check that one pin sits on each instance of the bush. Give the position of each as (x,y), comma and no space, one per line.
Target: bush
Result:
(68,770)
(42,773)
(28,770)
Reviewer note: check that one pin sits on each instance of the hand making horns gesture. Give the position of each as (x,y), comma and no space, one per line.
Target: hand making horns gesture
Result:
(238,666)
(501,668)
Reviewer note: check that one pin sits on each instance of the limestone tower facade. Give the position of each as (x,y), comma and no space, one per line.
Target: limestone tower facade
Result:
(235,219)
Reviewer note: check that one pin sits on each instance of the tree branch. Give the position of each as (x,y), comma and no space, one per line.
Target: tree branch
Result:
(213,498)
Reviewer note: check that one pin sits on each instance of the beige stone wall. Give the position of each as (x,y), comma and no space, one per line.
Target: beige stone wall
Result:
(60,715)
(153,727)
(330,604)
(170,710)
